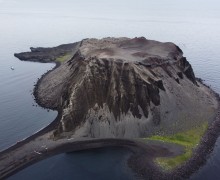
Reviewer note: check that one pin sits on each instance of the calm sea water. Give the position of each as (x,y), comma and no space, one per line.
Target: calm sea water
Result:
(83,165)
(194,25)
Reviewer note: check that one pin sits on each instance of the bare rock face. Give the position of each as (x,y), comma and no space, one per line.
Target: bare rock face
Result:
(121,87)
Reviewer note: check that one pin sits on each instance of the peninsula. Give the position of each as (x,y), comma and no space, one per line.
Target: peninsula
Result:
(136,93)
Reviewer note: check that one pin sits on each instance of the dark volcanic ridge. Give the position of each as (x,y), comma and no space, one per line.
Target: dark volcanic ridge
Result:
(45,55)
(121,87)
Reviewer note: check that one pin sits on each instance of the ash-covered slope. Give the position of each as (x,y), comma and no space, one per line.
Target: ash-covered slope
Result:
(121,87)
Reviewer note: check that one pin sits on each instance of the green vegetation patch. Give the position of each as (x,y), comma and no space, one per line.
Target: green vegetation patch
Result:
(64,58)
(188,139)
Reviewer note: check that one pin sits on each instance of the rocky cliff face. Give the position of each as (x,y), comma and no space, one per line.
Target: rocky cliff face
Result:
(121,87)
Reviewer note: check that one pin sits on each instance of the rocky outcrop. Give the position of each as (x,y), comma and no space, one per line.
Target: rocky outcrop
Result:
(121,87)
(45,55)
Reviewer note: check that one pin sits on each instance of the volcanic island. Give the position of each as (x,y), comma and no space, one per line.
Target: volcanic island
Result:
(135,93)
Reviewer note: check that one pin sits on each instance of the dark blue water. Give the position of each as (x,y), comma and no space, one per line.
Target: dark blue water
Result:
(96,164)
(194,25)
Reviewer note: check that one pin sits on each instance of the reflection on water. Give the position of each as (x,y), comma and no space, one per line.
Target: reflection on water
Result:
(194,25)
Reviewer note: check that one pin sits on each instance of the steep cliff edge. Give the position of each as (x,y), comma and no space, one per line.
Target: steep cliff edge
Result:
(121,87)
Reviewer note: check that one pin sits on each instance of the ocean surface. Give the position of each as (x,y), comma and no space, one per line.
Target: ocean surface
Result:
(98,164)
(193,25)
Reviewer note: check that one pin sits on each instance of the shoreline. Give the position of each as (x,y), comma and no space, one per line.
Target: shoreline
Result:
(46,129)
(204,149)
(34,152)
(137,161)
(199,157)
(35,93)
